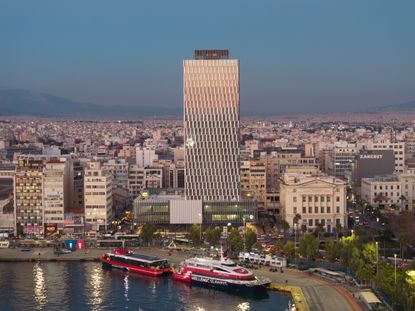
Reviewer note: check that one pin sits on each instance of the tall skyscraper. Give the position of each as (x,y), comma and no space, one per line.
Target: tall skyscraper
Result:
(211,123)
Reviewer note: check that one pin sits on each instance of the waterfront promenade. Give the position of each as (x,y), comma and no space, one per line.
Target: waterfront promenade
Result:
(321,294)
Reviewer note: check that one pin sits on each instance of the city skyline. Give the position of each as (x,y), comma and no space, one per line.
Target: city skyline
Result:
(298,57)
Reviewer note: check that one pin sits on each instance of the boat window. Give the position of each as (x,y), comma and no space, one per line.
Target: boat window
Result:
(229,264)
(220,269)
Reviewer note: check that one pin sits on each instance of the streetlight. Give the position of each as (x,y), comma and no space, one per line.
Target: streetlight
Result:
(200,227)
(395,267)
(295,243)
(251,217)
(229,225)
(377,259)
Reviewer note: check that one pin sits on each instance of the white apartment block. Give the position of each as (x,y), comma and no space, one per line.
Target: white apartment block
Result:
(407,181)
(382,190)
(140,178)
(253,181)
(119,171)
(98,195)
(398,150)
(340,160)
(145,156)
(56,185)
(317,199)
(211,125)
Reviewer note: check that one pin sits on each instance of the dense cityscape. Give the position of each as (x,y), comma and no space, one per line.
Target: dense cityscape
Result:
(333,197)
(209,156)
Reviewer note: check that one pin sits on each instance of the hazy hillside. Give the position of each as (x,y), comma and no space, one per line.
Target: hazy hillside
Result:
(23,102)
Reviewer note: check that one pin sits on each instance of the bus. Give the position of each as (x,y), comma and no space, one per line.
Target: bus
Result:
(126,236)
(111,243)
(331,275)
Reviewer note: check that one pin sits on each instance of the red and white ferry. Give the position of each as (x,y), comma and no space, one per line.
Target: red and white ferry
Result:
(144,264)
(221,274)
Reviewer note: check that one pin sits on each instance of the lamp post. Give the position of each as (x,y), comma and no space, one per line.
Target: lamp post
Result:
(200,227)
(377,259)
(244,221)
(395,267)
(229,244)
(295,243)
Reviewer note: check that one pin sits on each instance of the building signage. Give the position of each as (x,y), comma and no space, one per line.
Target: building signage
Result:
(371,156)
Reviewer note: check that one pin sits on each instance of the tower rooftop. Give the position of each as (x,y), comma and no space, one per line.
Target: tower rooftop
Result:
(211,54)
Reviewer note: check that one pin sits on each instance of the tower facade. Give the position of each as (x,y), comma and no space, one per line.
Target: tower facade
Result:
(211,123)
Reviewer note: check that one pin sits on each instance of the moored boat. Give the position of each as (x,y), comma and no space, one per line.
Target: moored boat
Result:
(221,274)
(139,263)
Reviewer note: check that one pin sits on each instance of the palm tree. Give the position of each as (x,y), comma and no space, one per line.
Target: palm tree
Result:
(380,197)
(338,229)
(297,217)
(403,199)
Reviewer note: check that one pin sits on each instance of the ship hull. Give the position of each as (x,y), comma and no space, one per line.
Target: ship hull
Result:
(226,284)
(108,264)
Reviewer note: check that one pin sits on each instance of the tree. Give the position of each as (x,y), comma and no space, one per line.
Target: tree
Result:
(235,240)
(147,233)
(297,217)
(403,226)
(346,247)
(339,229)
(278,245)
(309,246)
(282,224)
(332,250)
(250,239)
(194,234)
(319,229)
(402,198)
(258,247)
(303,228)
(213,236)
(289,249)
(369,252)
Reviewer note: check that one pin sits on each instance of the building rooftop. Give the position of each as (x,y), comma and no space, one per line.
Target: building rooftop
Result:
(211,54)
(298,179)
(382,178)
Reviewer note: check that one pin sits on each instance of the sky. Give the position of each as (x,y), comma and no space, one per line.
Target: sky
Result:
(295,55)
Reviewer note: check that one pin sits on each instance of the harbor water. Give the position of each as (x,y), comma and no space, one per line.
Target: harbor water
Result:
(86,286)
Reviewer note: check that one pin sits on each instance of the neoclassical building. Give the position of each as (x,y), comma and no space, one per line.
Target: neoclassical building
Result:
(318,199)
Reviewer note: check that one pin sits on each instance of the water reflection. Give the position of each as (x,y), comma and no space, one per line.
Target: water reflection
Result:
(244,306)
(85,286)
(95,288)
(126,288)
(39,290)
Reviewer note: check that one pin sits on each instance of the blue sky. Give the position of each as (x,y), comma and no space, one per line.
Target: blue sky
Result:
(296,55)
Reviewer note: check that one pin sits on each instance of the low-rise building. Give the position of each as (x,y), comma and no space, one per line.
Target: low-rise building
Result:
(382,190)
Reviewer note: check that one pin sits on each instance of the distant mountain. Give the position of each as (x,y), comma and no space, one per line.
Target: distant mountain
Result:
(23,102)
(408,106)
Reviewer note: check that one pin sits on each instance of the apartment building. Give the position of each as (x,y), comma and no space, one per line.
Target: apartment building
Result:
(98,196)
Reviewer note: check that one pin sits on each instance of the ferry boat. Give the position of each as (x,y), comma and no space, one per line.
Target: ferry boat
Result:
(221,274)
(129,261)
